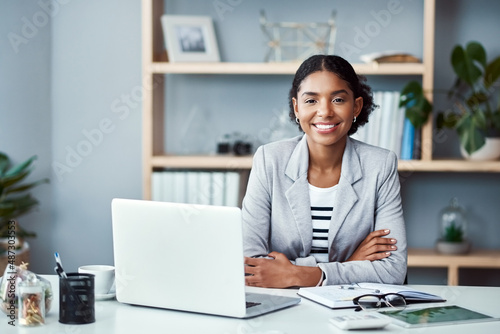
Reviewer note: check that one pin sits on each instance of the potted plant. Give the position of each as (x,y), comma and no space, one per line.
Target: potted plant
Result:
(453,230)
(15,201)
(475,103)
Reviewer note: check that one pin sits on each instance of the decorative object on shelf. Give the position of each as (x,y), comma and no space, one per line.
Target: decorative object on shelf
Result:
(489,151)
(14,202)
(453,230)
(224,144)
(190,38)
(475,113)
(293,41)
(389,57)
(235,143)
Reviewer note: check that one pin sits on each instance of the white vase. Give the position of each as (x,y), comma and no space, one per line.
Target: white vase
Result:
(489,151)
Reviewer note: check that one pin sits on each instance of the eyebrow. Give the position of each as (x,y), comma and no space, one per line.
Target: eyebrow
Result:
(332,93)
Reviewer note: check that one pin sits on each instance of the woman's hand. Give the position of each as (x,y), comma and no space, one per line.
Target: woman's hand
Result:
(374,247)
(279,272)
(268,273)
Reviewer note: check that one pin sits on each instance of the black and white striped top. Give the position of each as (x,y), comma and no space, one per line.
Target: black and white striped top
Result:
(321,210)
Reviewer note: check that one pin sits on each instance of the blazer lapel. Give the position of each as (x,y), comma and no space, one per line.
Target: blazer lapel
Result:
(298,194)
(346,196)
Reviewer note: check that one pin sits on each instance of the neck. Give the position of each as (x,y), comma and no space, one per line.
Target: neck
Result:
(325,165)
(326,158)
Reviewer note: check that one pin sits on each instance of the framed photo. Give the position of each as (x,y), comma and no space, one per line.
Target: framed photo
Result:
(190,38)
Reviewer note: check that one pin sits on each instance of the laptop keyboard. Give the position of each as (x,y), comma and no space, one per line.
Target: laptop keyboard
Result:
(250,304)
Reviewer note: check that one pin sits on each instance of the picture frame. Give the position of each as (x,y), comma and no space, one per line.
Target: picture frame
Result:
(190,38)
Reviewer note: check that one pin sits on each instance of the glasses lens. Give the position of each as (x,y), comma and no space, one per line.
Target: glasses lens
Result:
(369,302)
(395,301)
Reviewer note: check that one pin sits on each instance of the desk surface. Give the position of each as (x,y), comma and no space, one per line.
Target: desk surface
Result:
(306,317)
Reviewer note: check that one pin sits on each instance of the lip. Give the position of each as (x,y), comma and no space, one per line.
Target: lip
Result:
(327,127)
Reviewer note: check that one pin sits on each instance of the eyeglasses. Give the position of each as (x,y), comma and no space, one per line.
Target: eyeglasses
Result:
(374,302)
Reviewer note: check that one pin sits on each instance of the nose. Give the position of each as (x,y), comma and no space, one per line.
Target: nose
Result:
(325,108)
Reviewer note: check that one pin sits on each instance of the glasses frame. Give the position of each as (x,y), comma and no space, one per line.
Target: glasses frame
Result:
(382,298)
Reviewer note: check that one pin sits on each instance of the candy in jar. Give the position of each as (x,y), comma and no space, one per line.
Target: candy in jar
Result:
(31,303)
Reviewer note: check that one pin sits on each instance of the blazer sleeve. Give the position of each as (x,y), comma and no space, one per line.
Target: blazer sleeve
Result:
(256,210)
(388,215)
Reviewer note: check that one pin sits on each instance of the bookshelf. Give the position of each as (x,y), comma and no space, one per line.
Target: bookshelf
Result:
(155,68)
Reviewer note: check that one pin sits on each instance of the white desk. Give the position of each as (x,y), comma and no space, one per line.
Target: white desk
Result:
(306,317)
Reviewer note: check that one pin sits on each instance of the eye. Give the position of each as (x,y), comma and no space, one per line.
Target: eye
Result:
(338,100)
(309,101)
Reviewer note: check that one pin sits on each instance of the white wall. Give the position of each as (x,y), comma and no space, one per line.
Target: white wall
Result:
(25,110)
(57,92)
(96,50)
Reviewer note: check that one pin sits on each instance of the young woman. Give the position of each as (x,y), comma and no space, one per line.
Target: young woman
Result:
(323,208)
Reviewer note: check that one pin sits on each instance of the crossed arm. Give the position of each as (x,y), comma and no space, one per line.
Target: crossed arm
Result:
(279,272)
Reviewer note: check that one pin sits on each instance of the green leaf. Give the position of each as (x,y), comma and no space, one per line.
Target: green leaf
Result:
(20,167)
(4,163)
(476,99)
(11,180)
(417,106)
(463,65)
(25,187)
(495,120)
(447,120)
(492,73)
(16,206)
(471,137)
(453,233)
(476,52)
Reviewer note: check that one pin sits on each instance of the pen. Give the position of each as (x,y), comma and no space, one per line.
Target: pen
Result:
(355,286)
(59,268)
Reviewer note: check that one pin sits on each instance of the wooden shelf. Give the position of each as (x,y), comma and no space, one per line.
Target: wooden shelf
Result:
(449,166)
(275,68)
(226,162)
(475,259)
(245,162)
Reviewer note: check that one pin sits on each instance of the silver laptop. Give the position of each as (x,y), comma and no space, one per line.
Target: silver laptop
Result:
(184,257)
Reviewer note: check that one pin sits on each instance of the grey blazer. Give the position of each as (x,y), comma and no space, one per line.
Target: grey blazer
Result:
(277,211)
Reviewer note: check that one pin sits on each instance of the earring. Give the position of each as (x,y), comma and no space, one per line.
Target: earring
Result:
(354,120)
(297,120)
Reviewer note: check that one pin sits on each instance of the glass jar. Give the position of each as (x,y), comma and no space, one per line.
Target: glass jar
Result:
(31,303)
(453,223)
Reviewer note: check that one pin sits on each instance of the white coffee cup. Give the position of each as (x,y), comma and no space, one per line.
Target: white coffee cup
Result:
(104,277)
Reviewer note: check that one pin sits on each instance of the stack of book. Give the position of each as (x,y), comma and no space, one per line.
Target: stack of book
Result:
(197,187)
(387,127)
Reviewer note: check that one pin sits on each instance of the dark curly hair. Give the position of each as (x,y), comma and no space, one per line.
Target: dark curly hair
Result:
(343,69)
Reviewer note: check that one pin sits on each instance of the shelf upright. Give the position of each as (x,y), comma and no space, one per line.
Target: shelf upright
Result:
(153,89)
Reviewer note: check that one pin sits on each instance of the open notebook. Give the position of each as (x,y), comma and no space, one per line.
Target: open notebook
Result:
(341,296)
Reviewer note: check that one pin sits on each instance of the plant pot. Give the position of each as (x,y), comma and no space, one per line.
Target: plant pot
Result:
(489,151)
(447,247)
(21,255)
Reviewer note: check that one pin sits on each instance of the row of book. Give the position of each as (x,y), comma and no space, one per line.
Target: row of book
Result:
(197,187)
(388,127)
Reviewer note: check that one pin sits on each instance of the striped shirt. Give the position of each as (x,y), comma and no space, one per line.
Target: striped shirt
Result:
(321,212)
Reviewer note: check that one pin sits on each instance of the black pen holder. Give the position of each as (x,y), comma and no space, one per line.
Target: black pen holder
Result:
(76,299)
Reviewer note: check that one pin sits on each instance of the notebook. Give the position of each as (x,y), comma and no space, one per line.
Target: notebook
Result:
(341,296)
(184,257)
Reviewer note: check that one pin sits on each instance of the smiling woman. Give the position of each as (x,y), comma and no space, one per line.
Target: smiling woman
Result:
(323,208)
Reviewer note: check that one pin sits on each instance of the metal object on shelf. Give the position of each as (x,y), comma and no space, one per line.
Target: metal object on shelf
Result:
(293,41)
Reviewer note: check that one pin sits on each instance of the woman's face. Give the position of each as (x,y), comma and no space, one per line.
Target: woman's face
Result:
(325,107)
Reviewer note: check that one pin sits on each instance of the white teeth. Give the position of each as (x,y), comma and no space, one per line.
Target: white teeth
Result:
(324,126)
